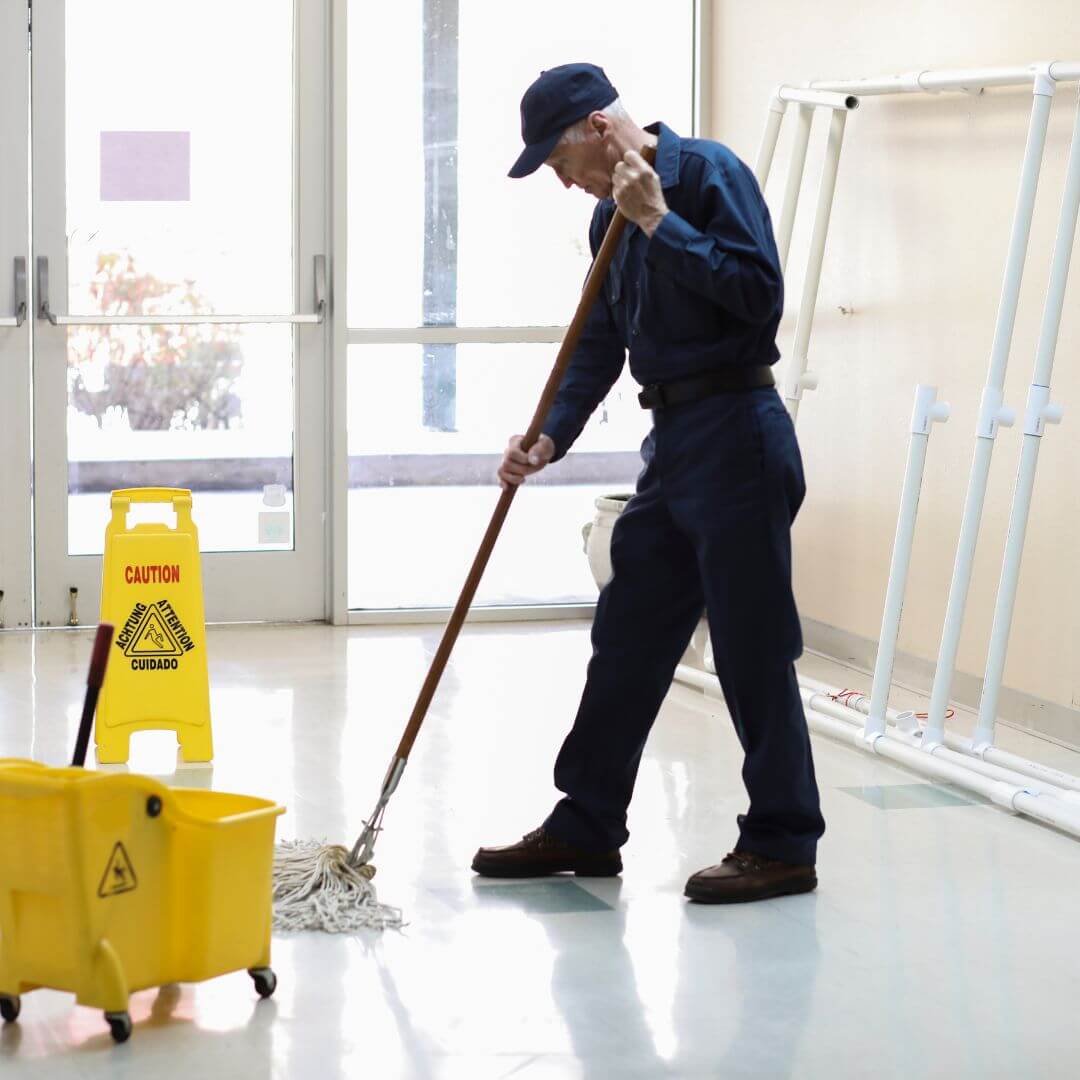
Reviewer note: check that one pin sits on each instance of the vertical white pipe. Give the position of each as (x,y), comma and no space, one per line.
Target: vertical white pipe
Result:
(991,413)
(1039,411)
(925,412)
(796,167)
(1042,100)
(1007,586)
(768,141)
(796,373)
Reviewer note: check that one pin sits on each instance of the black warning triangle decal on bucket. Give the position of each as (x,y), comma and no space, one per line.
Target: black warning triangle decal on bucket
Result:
(153,637)
(119,876)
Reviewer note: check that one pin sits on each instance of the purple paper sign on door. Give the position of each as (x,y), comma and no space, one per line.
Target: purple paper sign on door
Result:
(145,165)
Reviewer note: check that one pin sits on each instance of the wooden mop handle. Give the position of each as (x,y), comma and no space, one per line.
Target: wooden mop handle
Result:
(593,284)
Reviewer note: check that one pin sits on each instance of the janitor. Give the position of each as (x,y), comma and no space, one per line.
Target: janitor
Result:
(694,296)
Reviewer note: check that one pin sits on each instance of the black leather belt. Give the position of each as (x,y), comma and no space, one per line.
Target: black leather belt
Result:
(727,380)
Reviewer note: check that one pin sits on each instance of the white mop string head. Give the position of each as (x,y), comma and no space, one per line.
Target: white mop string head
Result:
(316,887)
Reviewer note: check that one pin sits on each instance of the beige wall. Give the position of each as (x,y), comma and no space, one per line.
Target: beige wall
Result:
(916,252)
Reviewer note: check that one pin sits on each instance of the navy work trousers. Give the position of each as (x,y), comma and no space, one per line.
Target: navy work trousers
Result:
(709,528)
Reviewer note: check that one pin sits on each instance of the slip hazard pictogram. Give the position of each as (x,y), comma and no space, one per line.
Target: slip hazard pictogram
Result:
(153,637)
(119,876)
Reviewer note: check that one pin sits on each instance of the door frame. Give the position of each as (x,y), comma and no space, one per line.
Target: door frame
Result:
(16,569)
(238,586)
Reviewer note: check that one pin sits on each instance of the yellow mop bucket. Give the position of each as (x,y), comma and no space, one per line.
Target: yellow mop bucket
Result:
(115,883)
(151,591)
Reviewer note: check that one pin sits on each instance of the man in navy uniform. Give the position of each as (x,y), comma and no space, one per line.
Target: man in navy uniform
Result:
(695,295)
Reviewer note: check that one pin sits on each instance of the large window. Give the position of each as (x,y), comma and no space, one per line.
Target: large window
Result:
(461,279)
(179,198)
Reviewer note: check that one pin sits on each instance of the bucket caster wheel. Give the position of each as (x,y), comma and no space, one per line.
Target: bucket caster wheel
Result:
(265,981)
(10,1007)
(119,1026)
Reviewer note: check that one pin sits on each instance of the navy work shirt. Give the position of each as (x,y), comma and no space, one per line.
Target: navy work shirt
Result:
(704,292)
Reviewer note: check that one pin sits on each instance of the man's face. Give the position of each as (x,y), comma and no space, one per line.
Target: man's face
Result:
(584,165)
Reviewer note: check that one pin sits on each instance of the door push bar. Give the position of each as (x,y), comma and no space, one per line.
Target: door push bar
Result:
(46,313)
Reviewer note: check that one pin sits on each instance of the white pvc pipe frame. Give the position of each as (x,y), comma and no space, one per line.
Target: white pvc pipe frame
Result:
(1012,782)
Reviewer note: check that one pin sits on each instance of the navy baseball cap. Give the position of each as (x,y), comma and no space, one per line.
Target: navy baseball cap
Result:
(560,97)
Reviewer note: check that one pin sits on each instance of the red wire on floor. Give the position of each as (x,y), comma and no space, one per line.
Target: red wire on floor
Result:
(845,696)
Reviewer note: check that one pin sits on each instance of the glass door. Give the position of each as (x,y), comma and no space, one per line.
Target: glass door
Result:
(180,330)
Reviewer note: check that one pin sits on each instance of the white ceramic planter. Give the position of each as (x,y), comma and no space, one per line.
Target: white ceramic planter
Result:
(597,537)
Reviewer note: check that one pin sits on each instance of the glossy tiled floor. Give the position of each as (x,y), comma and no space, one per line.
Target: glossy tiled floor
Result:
(940,944)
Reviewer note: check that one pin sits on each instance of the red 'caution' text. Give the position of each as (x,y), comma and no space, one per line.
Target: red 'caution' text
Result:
(151,574)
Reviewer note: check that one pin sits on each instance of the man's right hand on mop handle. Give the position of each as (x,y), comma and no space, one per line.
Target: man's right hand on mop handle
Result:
(518,464)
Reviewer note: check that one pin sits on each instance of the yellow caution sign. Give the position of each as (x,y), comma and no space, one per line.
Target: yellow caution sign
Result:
(151,591)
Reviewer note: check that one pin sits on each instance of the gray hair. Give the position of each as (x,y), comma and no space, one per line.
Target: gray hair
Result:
(579,132)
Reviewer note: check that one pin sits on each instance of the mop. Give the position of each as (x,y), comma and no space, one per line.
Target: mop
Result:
(320,886)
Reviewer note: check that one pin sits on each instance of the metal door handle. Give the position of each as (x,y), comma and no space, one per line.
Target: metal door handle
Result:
(20,295)
(304,317)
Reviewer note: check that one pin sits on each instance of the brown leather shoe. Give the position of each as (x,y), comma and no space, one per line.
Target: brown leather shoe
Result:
(743,876)
(538,855)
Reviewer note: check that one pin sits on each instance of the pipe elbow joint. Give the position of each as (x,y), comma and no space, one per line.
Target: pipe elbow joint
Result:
(1045,84)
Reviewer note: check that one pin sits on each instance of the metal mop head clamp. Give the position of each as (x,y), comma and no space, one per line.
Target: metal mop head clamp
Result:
(364,848)
(324,886)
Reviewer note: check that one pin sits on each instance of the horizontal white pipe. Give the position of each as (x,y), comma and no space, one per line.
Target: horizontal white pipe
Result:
(1065,70)
(802,95)
(693,676)
(972,79)
(821,716)
(9,320)
(1023,767)
(956,757)
(904,720)
(796,167)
